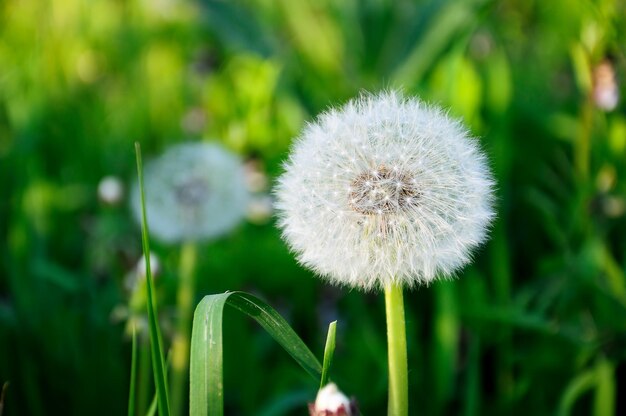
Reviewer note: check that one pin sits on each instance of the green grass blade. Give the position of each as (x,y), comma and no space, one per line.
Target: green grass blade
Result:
(156,345)
(604,401)
(576,388)
(206,364)
(153,404)
(329,351)
(133,375)
(153,407)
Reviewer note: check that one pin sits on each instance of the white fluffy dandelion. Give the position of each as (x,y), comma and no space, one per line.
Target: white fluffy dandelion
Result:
(385,190)
(194,191)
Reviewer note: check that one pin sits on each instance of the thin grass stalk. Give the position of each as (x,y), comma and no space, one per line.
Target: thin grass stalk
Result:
(144,378)
(156,344)
(133,376)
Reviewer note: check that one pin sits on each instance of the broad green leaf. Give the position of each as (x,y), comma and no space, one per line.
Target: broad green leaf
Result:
(329,351)
(156,345)
(206,364)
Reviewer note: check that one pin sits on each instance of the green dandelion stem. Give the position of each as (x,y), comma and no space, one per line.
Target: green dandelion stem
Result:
(397,355)
(180,343)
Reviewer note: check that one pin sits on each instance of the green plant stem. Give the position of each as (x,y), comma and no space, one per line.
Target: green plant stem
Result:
(583,141)
(180,343)
(604,401)
(397,355)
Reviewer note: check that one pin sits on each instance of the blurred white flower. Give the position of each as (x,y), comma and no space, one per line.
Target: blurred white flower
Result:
(155,266)
(385,190)
(256,178)
(605,89)
(194,121)
(194,191)
(111,190)
(138,273)
(330,401)
(260,209)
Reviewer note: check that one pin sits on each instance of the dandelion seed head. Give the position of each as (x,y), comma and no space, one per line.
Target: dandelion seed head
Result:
(194,191)
(412,216)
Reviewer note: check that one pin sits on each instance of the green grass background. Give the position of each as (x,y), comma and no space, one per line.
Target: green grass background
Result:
(536,326)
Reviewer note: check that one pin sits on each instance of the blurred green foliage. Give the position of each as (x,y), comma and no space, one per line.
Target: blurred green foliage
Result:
(536,326)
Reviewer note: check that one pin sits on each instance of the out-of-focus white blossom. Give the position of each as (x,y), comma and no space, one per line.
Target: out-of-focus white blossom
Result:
(385,190)
(194,191)
(138,273)
(605,89)
(260,209)
(330,401)
(155,266)
(194,120)
(111,190)
(256,178)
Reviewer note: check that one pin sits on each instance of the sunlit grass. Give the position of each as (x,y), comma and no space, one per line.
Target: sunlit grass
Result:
(536,324)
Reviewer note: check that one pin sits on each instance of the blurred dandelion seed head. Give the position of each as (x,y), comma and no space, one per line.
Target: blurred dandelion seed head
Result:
(385,189)
(194,191)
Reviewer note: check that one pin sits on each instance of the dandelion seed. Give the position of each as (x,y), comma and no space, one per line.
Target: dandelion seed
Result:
(418,216)
(194,191)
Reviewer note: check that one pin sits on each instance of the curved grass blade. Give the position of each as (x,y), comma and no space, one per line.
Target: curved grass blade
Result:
(206,364)
(604,401)
(133,376)
(329,351)
(156,344)
(576,388)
